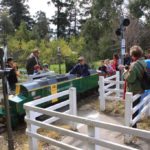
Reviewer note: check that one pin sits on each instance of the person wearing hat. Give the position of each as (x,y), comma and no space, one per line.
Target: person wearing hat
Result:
(45,68)
(81,68)
(12,76)
(32,61)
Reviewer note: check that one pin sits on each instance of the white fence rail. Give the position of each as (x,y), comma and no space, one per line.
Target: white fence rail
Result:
(31,114)
(141,109)
(92,139)
(106,90)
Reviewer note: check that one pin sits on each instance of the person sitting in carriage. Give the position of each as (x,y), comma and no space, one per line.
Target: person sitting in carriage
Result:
(81,68)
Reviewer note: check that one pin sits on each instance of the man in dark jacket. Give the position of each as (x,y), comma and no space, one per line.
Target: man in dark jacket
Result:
(80,69)
(134,75)
(127,59)
(12,76)
(32,61)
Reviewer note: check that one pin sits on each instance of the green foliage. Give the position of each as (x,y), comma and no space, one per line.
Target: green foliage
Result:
(140,8)
(22,33)
(41,28)
(65,18)
(6,24)
(77,44)
(83,28)
(55,68)
(98,30)
(18,12)
(48,49)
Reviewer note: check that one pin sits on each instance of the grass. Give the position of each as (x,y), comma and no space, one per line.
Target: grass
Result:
(21,139)
(55,67)
(96,64)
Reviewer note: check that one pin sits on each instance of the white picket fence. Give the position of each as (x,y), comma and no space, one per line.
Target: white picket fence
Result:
(31,114)
(107,87)
(143,109)
(92,139)
(116,89)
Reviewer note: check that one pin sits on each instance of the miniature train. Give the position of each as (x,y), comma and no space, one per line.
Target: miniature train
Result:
(39,88)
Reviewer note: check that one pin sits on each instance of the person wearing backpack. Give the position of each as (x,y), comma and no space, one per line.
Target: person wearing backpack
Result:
(134,75)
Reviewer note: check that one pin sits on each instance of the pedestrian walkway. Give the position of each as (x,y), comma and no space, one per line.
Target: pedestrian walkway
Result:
(87,112)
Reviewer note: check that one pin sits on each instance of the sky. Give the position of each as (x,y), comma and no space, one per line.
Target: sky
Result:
(37,5)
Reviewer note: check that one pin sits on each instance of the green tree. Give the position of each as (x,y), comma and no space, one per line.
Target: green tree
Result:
(99,28)
(22,33)
(140,8)
(60,19)
(41,27)
(6,25)
(18,12)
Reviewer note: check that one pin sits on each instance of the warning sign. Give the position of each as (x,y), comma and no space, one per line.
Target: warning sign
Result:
(54,91)
(17,89)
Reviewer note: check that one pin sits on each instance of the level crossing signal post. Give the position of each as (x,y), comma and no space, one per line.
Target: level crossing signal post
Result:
(120,32)
(3,73)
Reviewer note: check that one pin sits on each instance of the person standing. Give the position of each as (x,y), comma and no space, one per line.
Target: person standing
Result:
(127,59)
(81,68)
(32,61)
(134,74)
(103,67)
(115,62)
(12,76)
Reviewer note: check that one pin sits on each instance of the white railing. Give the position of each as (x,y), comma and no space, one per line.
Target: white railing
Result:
(92,139)
(106,90)
(32,115)
(143,108)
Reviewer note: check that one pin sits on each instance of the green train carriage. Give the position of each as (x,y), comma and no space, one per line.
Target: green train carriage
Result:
(39,88)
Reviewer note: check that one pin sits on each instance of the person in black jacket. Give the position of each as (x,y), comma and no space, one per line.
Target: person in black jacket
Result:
(127,59)
(32,61)
(12,76)
(80,69)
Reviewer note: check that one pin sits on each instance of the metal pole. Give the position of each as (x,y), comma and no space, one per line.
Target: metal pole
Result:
(59,59)
(59,65)
(122,41)
(6,103)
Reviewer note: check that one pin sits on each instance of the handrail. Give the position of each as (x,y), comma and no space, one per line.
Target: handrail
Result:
(80,136)
(100,124)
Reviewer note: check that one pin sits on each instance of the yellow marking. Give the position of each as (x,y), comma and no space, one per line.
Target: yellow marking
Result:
(17,89)
(54,91)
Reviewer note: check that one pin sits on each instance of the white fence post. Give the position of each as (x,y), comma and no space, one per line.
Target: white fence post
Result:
(33,143)
(118,84)
(91,133)
(73,105)
(101,93)
(128,114)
